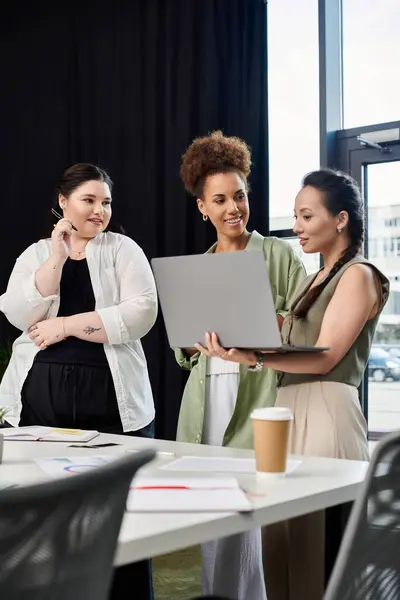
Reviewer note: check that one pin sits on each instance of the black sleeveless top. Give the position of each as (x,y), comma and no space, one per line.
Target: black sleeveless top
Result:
(76,296)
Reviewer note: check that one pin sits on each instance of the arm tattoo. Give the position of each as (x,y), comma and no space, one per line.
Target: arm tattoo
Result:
(89,330)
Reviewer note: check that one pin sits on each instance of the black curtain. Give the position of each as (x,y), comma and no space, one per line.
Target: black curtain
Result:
(127,84)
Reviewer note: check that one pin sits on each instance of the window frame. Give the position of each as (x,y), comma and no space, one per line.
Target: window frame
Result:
(339,147)
(352,156)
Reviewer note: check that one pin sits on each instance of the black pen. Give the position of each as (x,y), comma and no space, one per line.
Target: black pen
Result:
(56,214)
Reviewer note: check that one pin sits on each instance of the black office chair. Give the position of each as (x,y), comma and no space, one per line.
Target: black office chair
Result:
(368,564)
(58,539)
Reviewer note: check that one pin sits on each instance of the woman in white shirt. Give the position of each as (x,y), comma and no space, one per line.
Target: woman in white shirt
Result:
(83,299)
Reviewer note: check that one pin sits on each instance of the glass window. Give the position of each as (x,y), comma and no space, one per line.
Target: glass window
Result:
(383,197)
(371,50)
(311,262)
(373,247)
(293,100)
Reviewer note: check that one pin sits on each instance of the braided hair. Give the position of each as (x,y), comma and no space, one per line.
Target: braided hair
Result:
(340,192)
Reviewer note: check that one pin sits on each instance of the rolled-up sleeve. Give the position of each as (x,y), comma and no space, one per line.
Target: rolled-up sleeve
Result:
(184,361)
(297,274)
(286,273)
(135,314)
(22,303)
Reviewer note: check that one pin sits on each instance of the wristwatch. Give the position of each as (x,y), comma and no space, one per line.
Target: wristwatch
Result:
(259,364)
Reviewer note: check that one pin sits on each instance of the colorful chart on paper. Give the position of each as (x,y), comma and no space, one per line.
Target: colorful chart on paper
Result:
(63,466)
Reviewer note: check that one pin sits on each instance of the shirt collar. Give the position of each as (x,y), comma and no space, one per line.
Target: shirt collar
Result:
(255,243)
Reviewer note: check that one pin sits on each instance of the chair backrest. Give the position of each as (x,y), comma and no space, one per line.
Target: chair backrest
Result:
(368,563)
(58,539)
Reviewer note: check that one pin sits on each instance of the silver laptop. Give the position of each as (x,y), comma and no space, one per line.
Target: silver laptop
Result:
(227,292)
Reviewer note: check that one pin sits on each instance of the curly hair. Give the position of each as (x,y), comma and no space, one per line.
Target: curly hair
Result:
(212,154)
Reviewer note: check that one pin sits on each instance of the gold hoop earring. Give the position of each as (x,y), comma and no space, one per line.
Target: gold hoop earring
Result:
(205,218)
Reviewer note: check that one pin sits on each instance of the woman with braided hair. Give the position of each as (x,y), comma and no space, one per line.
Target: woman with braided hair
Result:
(339,308)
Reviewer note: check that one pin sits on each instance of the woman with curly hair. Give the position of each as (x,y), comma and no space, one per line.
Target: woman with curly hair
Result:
(219,395)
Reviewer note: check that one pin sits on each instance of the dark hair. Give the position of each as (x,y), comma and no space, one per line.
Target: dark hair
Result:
(340,192)
(212,154)
(79,174)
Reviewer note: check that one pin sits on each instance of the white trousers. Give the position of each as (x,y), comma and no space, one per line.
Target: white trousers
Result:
(232,566)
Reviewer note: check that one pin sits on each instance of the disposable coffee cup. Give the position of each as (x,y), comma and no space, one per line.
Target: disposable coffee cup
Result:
(271,428)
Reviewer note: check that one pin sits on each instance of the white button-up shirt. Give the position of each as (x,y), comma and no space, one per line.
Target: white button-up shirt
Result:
(126,300)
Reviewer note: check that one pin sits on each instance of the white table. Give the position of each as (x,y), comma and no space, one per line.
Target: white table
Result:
(316,484)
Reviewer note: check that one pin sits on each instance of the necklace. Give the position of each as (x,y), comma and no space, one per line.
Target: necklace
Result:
(78,254)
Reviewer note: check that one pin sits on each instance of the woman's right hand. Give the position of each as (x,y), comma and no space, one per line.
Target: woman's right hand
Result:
(61,239)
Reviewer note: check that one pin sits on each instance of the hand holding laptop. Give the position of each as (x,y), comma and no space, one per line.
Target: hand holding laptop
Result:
(213,348)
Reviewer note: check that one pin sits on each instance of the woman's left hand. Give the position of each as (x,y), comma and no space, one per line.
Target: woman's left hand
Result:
(213,348)
(46,333)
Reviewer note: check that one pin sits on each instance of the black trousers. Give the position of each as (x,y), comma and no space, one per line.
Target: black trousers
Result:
(83,397)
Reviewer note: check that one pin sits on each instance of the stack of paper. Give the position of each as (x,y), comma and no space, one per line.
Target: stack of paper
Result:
(160,494)
(183,494)
(48,434)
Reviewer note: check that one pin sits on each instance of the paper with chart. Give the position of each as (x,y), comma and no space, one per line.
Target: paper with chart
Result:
(160,494)
(64,466)
(215,464)
(49,434)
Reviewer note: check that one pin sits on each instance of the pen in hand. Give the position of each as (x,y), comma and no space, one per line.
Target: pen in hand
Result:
(56,214)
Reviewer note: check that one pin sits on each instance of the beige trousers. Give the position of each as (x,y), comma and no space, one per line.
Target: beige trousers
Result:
(327,422)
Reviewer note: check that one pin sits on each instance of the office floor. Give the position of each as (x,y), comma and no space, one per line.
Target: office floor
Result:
(177,576)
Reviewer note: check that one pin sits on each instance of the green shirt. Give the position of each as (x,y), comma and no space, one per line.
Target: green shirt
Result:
(304,331)
(286,273)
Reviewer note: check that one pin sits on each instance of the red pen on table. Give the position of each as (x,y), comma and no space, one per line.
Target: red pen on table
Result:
(162,487)
(175,487)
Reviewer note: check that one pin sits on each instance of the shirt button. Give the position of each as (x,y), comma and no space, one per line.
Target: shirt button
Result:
(198,437)
(201,381)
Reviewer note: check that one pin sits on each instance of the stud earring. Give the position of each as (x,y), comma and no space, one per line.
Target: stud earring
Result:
(339,230)
(205,218)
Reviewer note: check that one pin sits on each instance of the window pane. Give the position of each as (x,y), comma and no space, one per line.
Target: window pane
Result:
(371,50)
(293,97)
(311,262)
(383,197)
